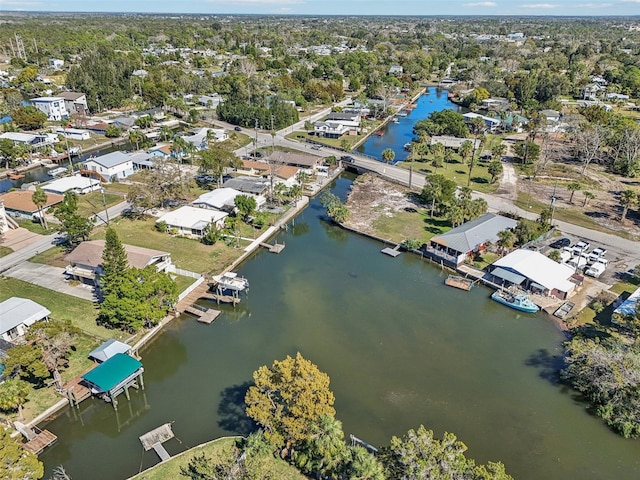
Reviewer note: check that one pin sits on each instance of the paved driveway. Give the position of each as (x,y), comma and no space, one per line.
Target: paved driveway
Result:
(49,277)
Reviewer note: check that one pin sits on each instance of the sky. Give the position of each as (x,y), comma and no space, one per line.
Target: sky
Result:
(337,7)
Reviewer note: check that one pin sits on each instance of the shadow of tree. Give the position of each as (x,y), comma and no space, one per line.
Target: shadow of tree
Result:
(231,410)
(549,366)
(479,180)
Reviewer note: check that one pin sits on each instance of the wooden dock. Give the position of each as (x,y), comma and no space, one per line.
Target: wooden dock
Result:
(275,248)
(37,440)
(155,438)
(392,252)
(75,391)
(459,282)
(203,314)
(202,291)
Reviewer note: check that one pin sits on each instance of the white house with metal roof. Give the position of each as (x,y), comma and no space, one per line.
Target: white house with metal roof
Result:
(534,271)
(112,166)
(31,139)
(17,315)
(224,199)
(626,308)
(76,183)
(456,245)
(192,221)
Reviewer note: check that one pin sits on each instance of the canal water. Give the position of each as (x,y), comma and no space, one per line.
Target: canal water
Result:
(400,347)
(396,135)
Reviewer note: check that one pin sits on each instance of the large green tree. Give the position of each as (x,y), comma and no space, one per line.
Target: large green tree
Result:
(76,227)
(13,394)
(28,118)
(438,191)
(114,262)
(445,122)
(288,399)
(17,463)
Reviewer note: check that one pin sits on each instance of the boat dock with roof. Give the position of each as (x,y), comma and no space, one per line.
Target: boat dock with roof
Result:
(115,376)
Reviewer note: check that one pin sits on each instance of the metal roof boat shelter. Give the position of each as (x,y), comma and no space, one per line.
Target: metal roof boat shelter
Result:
(108,349)
(114,376)
(511,277)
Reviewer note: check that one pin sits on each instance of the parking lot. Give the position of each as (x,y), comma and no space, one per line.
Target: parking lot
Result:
(619,261)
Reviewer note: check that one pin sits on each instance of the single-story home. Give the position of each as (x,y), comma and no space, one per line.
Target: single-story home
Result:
(34,140)
(85,261)
(108,349)
(490,123)
(17,315)
(112,166)
(163,151)
(143,160)
(330,129)
(19,203)
(253,168)
(224,199)
(202,137)
(256,186)
(534,271)
(74,133)
(301,160)
(192,221)
(453,142)
(456,245)
(626,308)
(287,175)
(76,183)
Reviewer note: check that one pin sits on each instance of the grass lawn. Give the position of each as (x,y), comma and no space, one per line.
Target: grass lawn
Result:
(94,202)
(82,313)
(405,225)
(5,251)
(484,260)
(216,450)
(458,172)
(570,215)
(183,282)
(35,227)
(186,253)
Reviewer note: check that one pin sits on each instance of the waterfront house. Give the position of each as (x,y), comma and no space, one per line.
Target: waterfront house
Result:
(32,140)
(19,204)
(534,271)
(224,199)
(85,261)
(192,221)
(338,124)
(286,175)
(17,315)
(53,107)
(162,151)
(460,243)
(112,166)
(143,160)
(74,133)
(256,186)
(76,183)
(490,123)
(75,103)
(309,163)
(253,168)
(201,138)
(330,129)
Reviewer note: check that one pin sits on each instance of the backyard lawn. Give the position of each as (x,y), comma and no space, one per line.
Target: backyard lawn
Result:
(458,172)
(271,467)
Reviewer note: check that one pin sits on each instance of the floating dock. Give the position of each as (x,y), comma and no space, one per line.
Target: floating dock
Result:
(203,314)
(275,248)
(392,252)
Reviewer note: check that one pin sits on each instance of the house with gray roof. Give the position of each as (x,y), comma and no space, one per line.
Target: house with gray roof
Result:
(17,315)
(458,244)
(256,186)
(112,166)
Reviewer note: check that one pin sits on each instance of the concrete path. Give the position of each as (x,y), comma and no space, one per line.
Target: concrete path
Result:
(509,180)
(49,277)
(19,238)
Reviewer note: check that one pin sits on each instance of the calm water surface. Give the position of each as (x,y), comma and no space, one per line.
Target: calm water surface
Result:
(401,350)
(396,135)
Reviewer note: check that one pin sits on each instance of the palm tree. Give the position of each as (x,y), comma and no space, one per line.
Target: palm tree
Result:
(388,155)
(477,126)
(165,133)
(178,148)
(465,150)
(364,466)
(588,196)
(628,198)
(455,214)
(506,239)
(136,136)
(327,443)
(13,394)
(498,150)
(39,198)
(573,187)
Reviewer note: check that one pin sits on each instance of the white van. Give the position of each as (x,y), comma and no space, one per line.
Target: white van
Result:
(577,262)
(595,270)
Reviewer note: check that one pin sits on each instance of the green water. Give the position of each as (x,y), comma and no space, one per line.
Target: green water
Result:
(401,350)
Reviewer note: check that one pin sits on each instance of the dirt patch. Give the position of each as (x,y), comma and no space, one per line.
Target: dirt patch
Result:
(372,197)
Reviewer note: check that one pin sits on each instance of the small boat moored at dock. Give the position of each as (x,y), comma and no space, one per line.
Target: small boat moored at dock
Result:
(459,282)
(518,301)
(57,172)
(231,281)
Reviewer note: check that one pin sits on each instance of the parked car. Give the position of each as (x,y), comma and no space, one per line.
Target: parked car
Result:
(347,158)
(595,270)
(581,247)
(560,243)
(578,261)
(237,129)
(596,254)
(316,147)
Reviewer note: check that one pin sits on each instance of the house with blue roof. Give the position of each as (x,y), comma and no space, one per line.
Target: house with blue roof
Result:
(112,166)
